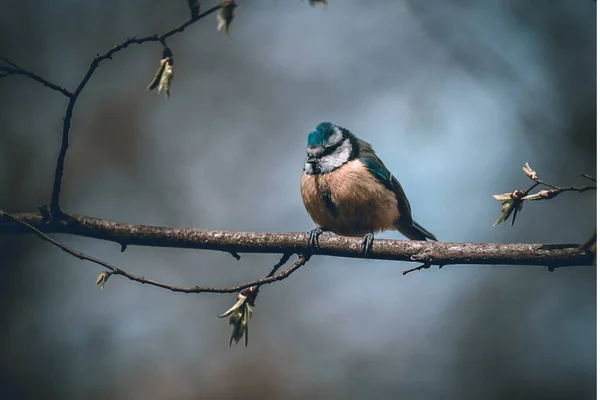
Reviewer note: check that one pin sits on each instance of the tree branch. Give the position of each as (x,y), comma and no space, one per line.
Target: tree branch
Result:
(513,202)
(591,178)
(14,69)
(432,253)
(192,289)
(53,220)
(556,190)
(55,210)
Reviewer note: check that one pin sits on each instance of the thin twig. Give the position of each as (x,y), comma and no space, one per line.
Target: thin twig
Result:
(61,246)
(192,289)
(579,189)
(591,178)
(284,258)
(55,210)
(194,6)
(252,292)
(531,188)
(420,267)
(531,174)
(14,69)
(12,64)
(548,184)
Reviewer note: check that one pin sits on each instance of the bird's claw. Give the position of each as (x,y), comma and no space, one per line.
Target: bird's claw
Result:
(313,237)
(367,245)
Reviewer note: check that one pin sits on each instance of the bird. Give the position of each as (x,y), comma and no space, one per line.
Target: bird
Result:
(347,190)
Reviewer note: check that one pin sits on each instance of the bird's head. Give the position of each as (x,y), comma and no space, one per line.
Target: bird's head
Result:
(328,147)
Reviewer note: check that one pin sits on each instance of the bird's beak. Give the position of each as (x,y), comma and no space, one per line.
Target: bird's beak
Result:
(311,160)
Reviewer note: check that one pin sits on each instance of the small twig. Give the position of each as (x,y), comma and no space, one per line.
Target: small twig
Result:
(420,267)
(557,189)
(232,289)
(207,289)
(284,258)
(589,177)
(55,210)
(12,64)
(548,184)
(589,246)
(531,188)
(193,289)
(61,246)
(14,69)
(252,292)
(194,6)
(588,242)
(579,189)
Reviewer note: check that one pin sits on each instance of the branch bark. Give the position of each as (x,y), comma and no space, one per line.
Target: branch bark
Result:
(432,253)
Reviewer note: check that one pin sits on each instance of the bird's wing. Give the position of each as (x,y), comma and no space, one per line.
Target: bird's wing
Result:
(376,167)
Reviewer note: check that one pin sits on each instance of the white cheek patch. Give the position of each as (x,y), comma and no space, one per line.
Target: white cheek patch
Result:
(336,159)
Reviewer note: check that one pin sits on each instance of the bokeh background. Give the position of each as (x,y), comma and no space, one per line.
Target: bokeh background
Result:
(455,96)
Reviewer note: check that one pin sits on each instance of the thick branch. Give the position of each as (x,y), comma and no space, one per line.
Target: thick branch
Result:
(432,253)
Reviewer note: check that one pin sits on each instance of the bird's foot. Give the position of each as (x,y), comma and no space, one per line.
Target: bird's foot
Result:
(313,237)
(367,245)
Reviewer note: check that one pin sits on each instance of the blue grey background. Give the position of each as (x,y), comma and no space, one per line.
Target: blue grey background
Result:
(455,96)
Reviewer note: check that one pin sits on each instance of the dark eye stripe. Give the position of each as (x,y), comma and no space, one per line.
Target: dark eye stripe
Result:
(328,150)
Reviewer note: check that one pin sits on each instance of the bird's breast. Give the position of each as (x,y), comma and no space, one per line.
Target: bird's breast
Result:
(349,201)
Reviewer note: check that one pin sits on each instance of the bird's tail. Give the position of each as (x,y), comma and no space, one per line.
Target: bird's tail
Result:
(417,232)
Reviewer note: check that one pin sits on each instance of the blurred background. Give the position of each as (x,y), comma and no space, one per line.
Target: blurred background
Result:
(454,95)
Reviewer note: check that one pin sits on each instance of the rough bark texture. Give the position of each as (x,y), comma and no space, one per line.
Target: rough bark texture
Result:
(433,253)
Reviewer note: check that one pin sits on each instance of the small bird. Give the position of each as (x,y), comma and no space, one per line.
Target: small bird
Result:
(347,189)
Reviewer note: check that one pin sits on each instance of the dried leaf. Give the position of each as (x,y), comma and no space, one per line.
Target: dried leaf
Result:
(503,197)
(511,202)
(315,2)
(158,75)
(239,318)
(167,76)
(507,209)
(240,302)
(530,172)
(225,16)
(101,279)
